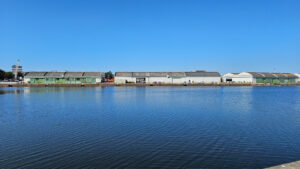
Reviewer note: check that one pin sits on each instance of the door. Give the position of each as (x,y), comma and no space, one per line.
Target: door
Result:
(140,80)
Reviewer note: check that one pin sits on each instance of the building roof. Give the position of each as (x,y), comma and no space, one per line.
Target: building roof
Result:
(60,74)
(74,74)
(35,74)
(92,74)
(281,75)
(123,74)
(55,74)
(159,74)
(290,75)
(272,75)
(202,74)
(230,75)
(168,74)
(177,74)
(140,74)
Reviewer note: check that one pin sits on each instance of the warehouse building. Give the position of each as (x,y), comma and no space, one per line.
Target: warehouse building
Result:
(63,77)
(167,77)
(298,75)
(257,77)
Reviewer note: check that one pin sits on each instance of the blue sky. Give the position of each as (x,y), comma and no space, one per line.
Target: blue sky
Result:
(151,35)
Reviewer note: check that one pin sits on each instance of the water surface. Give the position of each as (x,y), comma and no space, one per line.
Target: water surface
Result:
(149,127)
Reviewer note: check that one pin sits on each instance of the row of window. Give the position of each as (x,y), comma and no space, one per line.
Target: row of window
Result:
(51,79)
(266,80)
(63,80)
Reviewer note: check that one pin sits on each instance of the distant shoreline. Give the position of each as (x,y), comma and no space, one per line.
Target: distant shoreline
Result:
(139,85)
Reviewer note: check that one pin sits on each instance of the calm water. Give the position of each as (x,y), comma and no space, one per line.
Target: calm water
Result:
(151,127)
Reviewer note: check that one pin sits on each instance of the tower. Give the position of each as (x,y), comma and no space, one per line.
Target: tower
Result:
(16,69)
(16,74)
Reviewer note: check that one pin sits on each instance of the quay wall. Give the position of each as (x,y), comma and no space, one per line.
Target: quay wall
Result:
(139,85)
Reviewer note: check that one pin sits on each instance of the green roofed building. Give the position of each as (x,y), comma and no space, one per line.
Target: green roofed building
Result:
(260,77)
(63,77)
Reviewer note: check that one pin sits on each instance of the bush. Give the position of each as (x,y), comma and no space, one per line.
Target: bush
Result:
(20,74)
(2,74)
(108,75)
(8,75)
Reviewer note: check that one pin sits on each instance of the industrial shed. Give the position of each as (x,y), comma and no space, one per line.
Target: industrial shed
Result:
(298,77)
(63,77)
(167,77)
(259,77)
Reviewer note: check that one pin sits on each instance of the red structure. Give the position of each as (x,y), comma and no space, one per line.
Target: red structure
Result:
(110,80)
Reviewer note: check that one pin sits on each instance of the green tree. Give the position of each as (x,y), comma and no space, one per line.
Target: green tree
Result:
(9,75)
(2,74)
(20,74)
(109,75)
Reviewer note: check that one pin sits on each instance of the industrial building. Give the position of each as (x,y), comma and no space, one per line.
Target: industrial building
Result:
(63,77)
(167,77)
(257,77)
(298,75)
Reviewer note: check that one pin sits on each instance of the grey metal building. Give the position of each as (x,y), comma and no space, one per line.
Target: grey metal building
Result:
(167,77)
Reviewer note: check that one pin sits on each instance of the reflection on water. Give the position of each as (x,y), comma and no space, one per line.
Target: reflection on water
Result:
(149,127)
(239,100)
(15,91)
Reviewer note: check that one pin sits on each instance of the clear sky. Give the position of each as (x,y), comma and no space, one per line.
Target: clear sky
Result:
(151,35)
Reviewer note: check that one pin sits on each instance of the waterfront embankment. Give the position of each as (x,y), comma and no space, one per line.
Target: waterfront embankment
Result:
(137,85)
